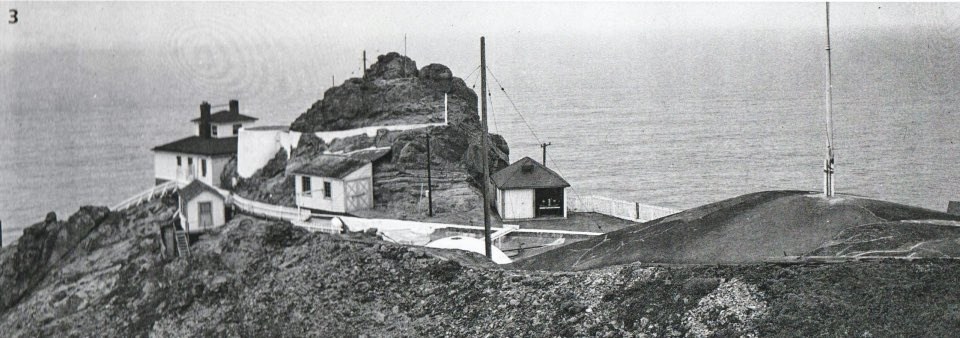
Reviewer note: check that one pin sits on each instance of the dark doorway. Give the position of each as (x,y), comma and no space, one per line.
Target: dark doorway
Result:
(206,215)
(548,202)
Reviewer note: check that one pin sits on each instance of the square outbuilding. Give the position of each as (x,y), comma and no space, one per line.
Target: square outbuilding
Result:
(527,190)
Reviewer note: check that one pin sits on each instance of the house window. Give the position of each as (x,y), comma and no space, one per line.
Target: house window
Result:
(203,168)
(326,190)
(236,128)
(213,130)
(178,161)
(305,185)
(190,161)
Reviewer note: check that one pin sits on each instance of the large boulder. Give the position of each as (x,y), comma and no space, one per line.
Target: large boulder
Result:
(392,66)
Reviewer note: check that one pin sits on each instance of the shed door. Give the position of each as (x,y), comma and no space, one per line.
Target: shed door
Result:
(206,214)
(357,194)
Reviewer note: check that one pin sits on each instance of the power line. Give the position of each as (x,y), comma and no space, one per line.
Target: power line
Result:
(532,132)
(467,79)
(474,86)
(493,117)
(514,106)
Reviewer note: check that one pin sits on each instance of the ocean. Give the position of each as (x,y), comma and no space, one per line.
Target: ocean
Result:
(676,119)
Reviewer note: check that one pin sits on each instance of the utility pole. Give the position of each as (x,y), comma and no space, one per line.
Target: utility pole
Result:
(1,234)
(333,80)
(429,179)
(544,146)
(485,150)
(828,162)
(404,69)
(364,70)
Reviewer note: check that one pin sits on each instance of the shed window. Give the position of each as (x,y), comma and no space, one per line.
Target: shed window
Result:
(213,130)
(203,168)
(305,185)
(236,128)
(326,190)
(178,161)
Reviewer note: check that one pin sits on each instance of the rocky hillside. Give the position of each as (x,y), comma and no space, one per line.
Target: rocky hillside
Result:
(100,274)
(395,92)
(756,227)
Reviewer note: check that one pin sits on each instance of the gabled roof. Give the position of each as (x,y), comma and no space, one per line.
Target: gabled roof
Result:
(201,146)
(336,166)
(538,176)
(225,116)
(371,155)
(194,189)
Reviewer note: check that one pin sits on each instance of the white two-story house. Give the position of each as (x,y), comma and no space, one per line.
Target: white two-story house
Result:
(204,155)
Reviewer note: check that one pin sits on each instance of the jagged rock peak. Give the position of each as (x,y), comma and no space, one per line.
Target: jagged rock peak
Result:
(392,66)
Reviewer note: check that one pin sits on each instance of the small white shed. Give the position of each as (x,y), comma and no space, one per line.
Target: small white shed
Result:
(335,184)
(527,189)
(201,207)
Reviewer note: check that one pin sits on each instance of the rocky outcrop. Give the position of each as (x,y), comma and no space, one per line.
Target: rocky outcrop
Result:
(41,247)
(392,92)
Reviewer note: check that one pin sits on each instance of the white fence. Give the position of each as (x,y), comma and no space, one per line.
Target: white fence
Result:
(269,210)
(618,208)
(297,217)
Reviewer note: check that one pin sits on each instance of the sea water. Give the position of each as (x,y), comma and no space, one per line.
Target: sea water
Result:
(671,120)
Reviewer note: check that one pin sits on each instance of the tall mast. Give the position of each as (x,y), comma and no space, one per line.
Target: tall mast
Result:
(828,163)
(485,152)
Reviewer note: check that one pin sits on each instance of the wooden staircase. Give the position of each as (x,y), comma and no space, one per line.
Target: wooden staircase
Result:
(183,243)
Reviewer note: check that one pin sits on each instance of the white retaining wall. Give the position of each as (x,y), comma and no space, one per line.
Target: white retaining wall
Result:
(618,208)
(257,146)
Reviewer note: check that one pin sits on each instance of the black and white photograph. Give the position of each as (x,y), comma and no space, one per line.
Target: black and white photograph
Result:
(479,169)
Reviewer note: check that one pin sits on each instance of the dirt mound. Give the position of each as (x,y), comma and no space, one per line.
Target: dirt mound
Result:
(748,228)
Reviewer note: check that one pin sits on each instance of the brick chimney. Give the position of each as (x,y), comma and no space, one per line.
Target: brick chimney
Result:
(234,107)
(204,124)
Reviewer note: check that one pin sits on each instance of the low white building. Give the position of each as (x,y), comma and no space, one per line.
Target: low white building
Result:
(204,155)
(527,189)
(335,184)
(201,207)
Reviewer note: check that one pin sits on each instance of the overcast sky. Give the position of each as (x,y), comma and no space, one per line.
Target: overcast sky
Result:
(164,25)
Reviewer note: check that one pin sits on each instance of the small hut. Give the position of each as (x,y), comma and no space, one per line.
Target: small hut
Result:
(201,207)
(527,190)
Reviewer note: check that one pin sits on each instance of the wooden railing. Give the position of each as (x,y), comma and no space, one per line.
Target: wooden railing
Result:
(146,195)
